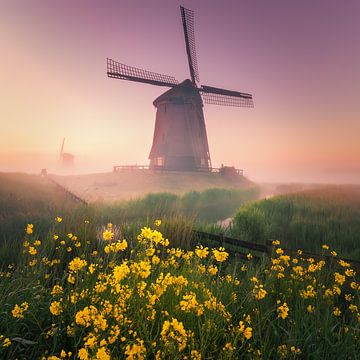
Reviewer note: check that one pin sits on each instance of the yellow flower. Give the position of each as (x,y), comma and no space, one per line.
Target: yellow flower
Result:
(56,290)
(157,222)
(77,264)
(108,235)
(83,354)
(141,268)
(202,252)
(340,279)
(136,351)
(195,355)
(29,229)
(282,351)
(220,255)
(336,311)
(58,219)
(276,242)
(32,250)
(343,263)
(71,279)
(295,350)
(155,260)
(173,332)
(283,310)
(245,330)
(228,347)
(325,247)
(259,292)
(18,311)
(37,243)
(121,271)
(101,354)
(56,308)
(189,303)
(308,293)
(350,272)
(213,270)
(6,342)
(310,309)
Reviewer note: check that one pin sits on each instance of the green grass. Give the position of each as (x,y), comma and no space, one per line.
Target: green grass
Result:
(31,198)
(305,220)
(136,307)
(24,197)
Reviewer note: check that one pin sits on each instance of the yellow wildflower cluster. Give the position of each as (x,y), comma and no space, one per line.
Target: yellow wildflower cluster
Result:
(116,246)
(173,333)
(18,310)
(143,299)
(4,341)
(283,310)
(220,254)
(202,252)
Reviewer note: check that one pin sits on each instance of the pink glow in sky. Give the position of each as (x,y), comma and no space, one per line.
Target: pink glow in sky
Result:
(300,60)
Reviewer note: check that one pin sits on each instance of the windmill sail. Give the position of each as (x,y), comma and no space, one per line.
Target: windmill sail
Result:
(218,96)
(126,72)
(187,17)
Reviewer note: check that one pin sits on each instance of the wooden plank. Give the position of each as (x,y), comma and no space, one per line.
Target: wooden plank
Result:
(232,241)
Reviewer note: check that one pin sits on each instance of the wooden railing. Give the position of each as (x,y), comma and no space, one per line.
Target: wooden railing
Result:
(225,170)
(268,249)
(67,192)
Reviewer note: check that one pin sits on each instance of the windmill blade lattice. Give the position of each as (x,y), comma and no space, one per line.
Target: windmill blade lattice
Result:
(218,96)
(126,72)
(187,17)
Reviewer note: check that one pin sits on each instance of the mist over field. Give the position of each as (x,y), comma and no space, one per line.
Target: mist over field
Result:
(33,162)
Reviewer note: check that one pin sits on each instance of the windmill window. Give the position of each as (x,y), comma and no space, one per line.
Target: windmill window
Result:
(160,161)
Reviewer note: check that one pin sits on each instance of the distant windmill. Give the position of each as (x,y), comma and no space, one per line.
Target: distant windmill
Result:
(180,139)
(66,159)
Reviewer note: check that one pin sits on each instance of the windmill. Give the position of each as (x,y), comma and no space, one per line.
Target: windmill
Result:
(180,139)
(66,159)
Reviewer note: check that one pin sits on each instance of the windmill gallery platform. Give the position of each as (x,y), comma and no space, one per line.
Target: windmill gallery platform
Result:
(134,182)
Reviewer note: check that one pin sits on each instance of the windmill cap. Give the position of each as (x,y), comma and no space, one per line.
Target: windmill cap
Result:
(180,94)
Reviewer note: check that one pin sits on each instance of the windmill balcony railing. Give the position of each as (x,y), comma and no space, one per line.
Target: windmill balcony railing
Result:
(223,170)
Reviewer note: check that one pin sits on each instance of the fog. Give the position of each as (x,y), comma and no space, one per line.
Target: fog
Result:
(34,162)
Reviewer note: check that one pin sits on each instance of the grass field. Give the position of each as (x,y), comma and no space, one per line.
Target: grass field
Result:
(30,198)
(80,287)
(307,220)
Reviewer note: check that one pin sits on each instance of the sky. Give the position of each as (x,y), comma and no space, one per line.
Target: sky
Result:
(299,59)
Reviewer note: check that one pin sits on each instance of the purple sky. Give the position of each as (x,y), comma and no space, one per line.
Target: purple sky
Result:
(300,59)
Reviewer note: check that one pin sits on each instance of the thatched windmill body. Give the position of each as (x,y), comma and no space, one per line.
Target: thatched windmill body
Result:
(180,139)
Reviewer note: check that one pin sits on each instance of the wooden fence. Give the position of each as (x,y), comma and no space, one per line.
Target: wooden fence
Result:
(67,192)
(267,249)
